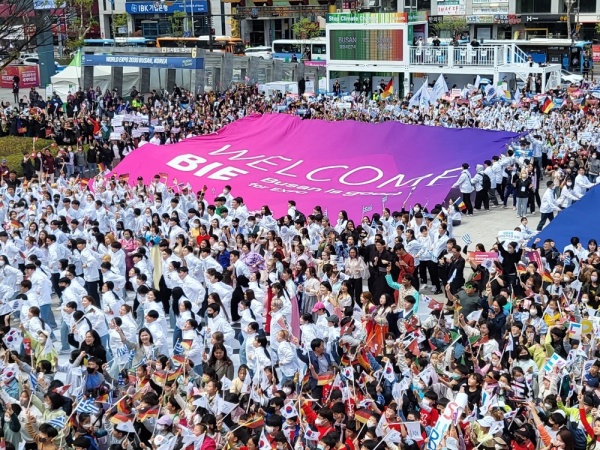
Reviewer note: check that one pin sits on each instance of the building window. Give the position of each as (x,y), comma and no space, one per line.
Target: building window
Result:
(533,6)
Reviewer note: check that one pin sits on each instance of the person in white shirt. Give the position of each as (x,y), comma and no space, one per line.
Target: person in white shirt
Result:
(216,323)
(238,267)
(97,319)
(109,275)
(582,183)
(91,273)
(110,302)
(465,184)
(215,284)
(548,206)
(9,249)
(286,356)
(192,288)
(42,289)
(158,332)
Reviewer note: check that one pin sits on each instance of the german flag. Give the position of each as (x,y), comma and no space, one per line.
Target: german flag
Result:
(187,344)
(172,376)
(121,418)
(84,182)
(178,359)
(325,378)
(124,177)
(101,167)
(15,224)
(521,269)
(149,413)
(159,376)
(363,415)
(122,406)
(547,278)
(255,423)
(163,175)
(102,399)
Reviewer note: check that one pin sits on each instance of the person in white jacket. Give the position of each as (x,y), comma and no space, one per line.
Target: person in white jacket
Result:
(465,185)
(286,355)
(582,183)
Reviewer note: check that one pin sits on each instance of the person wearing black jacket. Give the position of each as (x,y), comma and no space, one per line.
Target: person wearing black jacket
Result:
(91,345)
(456,279)
(510,258)
(378,260)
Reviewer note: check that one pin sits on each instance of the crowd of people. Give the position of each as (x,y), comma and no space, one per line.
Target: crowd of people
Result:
(141,313)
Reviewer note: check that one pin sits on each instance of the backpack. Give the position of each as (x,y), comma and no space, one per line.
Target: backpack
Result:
(486,183)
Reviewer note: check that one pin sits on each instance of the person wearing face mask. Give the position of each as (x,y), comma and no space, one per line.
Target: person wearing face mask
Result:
(591,291)
(567,195)
(163,436)
(44,438)
(322,420)
(120,433)
(51,406)
(273,425)
(12,426)
(524,361)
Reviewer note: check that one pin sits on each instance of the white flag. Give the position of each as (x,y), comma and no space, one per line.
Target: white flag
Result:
(414,430)
(439,89)
(393,436)
(477,82)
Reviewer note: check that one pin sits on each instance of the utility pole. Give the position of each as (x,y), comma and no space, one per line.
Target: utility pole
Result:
(210,33)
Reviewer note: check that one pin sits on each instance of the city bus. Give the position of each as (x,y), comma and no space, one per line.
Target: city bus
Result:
(134,42)
(304,49)
(226,44)
(570,55)
(120,42)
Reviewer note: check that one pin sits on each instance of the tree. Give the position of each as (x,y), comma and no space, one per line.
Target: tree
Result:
(305,29)
(22,27)
(118,21)
(454,26)
(80,18)
(176,20)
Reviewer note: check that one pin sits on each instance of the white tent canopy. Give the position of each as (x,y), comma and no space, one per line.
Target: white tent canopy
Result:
(69,80)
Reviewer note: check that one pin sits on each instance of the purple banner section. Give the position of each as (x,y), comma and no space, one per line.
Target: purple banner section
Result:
(347,165)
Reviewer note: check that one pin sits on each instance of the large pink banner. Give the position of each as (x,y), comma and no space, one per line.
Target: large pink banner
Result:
(348,165)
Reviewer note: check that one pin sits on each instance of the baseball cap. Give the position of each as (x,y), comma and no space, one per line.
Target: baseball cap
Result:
(318,306)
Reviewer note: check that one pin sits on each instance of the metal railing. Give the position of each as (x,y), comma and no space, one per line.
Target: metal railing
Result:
(451,56)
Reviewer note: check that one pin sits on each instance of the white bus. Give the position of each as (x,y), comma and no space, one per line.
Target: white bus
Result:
(304,49)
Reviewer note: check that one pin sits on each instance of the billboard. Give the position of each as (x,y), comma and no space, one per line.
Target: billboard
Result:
(366,45)
(29,76)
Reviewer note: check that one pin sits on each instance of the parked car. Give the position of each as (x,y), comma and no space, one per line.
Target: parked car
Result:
(569,77)
(262,52)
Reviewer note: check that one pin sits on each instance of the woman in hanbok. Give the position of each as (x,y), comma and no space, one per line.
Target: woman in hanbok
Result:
(376,338)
